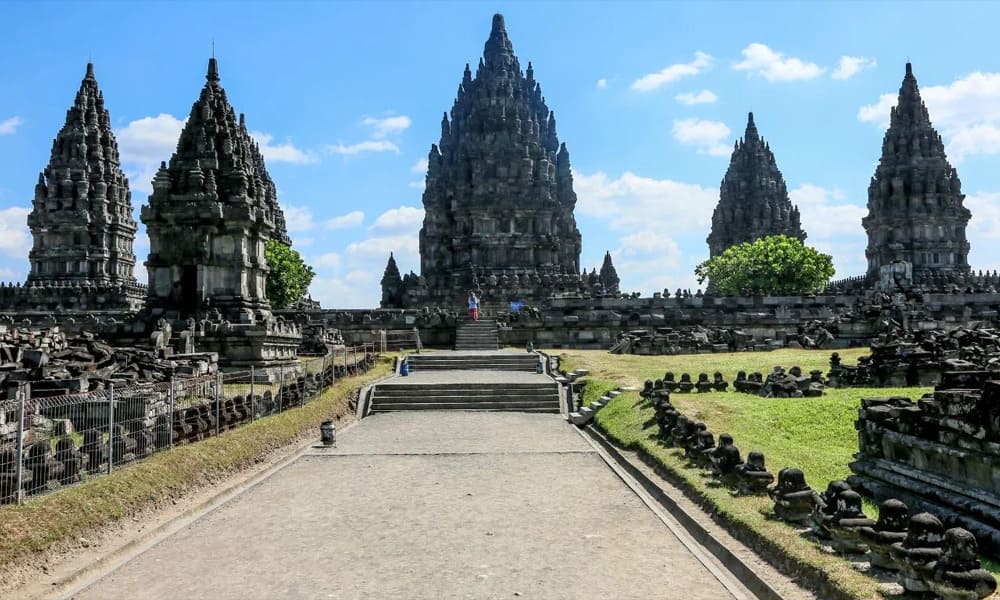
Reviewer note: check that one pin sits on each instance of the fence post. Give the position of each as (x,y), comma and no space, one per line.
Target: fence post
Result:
(21,403)
(170,414)
(218,401)
(111,426)
(253,397)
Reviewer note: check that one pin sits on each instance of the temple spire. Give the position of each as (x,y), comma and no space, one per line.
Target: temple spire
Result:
(915,210)
(753,197)
(499,169)
(83,176)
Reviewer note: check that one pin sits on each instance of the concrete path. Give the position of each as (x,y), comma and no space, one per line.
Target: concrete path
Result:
(466,376)
(429,505)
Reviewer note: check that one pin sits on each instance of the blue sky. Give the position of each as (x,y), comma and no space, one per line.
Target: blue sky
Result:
(346,99)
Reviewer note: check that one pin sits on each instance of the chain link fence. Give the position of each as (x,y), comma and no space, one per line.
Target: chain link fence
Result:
(51,442)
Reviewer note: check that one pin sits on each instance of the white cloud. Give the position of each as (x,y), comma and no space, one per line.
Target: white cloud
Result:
(759,59)
(653,81)
(360,147)
(144,143)
(298,218)
(833,226)
(849,66)
(10,125)
(985,222)
(420,166)
(635,202)
(827,213)
(329,260)
(286,152)
(404,217)
(966,112)
(417,185)
(382,246)
(355,289)
(707,136)
(15,238)
(351,219)
(602,83)
(386,126)
(702,97)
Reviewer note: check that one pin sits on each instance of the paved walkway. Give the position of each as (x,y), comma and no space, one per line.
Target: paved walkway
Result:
(428,505)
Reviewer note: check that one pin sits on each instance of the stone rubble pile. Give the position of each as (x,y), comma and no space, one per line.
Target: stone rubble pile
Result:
(781,384)
(686,340)
(919,359)
(940,452)
(54,363)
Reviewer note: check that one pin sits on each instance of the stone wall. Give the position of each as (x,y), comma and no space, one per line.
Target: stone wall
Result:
(940,453)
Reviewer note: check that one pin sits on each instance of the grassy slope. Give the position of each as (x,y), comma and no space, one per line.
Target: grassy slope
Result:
(66,515)
(814,434)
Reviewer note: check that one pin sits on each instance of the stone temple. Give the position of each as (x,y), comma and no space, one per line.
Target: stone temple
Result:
(753,198)
(213,209)
(81,219)
(499,194)
(915,210)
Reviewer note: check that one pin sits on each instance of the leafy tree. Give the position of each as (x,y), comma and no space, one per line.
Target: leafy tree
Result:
(289,277)
(776,265)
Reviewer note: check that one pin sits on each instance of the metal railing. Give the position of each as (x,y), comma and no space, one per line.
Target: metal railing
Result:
(52,442)
(397,339)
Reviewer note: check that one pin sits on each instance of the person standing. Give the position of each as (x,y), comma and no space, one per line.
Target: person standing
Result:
(473,306)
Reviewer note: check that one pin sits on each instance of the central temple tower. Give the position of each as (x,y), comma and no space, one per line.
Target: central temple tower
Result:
(499,194)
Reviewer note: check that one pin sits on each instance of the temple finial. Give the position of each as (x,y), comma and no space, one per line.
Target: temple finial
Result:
(90,70)
(498,24)
(909,68)
(213,69)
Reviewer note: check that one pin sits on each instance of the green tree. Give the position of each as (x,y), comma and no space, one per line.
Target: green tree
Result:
(289,277)
(776,265)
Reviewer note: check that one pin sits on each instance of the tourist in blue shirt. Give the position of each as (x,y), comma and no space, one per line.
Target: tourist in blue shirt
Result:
(473,306)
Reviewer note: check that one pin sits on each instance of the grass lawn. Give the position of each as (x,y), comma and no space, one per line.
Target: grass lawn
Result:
(816,435)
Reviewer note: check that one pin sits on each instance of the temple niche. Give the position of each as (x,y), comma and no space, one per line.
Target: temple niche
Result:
(81,219)
(915,210)
(753,198)
(213,209)
(499,194)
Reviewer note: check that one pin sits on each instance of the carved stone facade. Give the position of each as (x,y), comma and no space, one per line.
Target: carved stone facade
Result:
(915,210)
(212,210)
(81,219)
(753,198)
(499,194)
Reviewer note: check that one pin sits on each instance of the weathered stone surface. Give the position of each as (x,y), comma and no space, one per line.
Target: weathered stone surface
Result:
(81,219)
(212,210)
(915,210)
(753,199)
(499,194)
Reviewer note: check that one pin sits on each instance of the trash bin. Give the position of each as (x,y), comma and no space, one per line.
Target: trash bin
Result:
(404,369)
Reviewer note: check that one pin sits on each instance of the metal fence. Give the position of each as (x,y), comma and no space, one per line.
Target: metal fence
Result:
(51,442)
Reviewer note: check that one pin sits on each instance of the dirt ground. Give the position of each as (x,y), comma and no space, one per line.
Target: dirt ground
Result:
(428,505)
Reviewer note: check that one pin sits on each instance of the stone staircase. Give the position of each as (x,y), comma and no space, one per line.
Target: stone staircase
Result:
(476,335)
(495,381)
(517,397)
(470,361)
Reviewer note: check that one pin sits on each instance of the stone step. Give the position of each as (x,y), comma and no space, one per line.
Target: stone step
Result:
(549,396)
(487,407)
(464,388)
(414,359)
